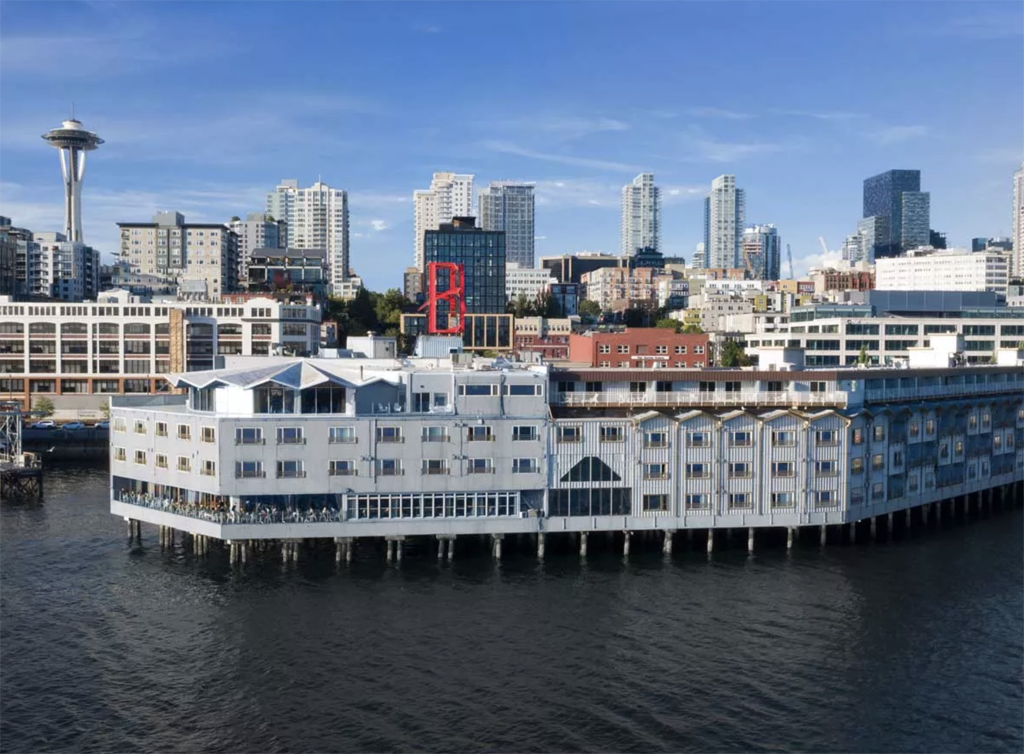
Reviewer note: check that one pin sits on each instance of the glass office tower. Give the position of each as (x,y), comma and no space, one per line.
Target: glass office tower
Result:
(482,254)
(885,196)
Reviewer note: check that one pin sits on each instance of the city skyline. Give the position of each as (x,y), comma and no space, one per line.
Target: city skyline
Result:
(801,152)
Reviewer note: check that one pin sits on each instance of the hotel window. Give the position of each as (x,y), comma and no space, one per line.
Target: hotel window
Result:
(958,448)
(290,470)
(479,434)
(341,468)
(605,364)
(524,433)
(877,462)
(209,468)
(661,349)
(929,427)
(1009,440)
(604,348)
(655,471)
(739,500)
(698,439)
(912,483)
(479,466)
(825,497)
(680,349)
(522,390)
(698,349)
(742,439)
(856,496)
(248,469)
(290,436)
(972,421)
(570,434)
(209,434)
(160,461)
(783,499)
(120,425)
(698,470)
(739,470)
(986,420)
(140,457)
(915,429)
(478,391)
(140,427)
(818,387)
(612,434)
(897,458)
(184,464)
(878,433)
(655,439)
(877,491)
(120,454)
(389,434)
(248,435)
(389,467)
(783,468)
(184,432)
(624,364)
(160,429)
(655,502)
(434,434)
(434,466)
(857,465)
(825,468)
(784,439)
(622,349)
(638,387)
(341,435)
(696,501)
(524,465)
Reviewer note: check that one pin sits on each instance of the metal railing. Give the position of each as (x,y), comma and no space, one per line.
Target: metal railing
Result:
(941,391)
(696,398)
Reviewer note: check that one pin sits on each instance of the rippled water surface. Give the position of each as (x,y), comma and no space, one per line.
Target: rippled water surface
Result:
(914,645)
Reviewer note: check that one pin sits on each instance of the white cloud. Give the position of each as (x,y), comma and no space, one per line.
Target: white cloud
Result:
(505,147)
(717,112)
(706,148)
(671,194)
(886,135)
(828,115)
(379,225)
(577,193)
(540,238)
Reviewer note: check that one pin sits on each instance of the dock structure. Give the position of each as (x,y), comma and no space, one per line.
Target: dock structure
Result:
(21,473)
(293,451)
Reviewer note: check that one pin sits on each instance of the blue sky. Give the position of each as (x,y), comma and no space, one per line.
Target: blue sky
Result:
(206,106)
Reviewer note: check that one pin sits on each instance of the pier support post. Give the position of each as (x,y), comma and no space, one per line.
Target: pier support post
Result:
(389,545)
(824,534)
(339,551)
(627,535)
(711,541)
(583,544)
(666,546)
(853,532)
(245,551)
(924,516)
(909,520)
(295,550)
(541,545)
(874,528)
(750,540)
(232,552)
(496,545)
(790,537)
(938,512)
(451,547)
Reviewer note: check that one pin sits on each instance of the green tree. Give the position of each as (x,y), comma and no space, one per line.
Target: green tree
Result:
(44,406)
(589,310)
(862,357)
(388,308)
(733,355)
(632,317)
(669,324)
(235,218)
(521,306)
(105,410)
(692,330)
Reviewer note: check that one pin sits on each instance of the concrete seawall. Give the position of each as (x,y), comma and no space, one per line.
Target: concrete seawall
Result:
(67,445)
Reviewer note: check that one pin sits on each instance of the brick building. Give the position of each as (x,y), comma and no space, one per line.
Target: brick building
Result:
(639,347)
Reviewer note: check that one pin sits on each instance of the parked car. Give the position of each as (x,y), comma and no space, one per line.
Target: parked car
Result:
(44,424)
(102,425)
(73,425)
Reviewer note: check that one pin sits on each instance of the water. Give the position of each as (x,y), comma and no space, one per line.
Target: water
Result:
(913,646)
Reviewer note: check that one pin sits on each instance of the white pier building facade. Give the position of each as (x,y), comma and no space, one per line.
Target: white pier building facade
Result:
(343,449)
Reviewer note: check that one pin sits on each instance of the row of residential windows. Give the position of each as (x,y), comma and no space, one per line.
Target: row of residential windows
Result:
(624,348)
(739,470)
(701,501)
(492,389)
(739,439)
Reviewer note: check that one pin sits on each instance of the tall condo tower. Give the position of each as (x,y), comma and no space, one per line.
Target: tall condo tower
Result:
(73,141)
(316,218)
(1017,261)
(509,206)
(725,211)
(641,216)
(450,195)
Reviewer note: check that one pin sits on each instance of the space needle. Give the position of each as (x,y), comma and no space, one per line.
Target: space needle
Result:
(73,141)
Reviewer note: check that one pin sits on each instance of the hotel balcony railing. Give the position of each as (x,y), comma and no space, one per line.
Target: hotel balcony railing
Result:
(941,391)
(696,398)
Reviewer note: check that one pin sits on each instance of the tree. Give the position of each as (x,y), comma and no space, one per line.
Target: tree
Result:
(589,310)
(105,410)
(669,324)
(235,218)
(862,357)
(733,355)
(632,317)
(521,306)
(44,406)
(692,330)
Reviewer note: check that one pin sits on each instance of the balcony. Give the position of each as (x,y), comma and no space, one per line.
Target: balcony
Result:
(696,398)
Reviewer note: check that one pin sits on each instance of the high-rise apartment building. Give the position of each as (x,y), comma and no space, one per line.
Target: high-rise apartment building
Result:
(316,218)
(853,248)
(761,248)
(641,215)
(874,233)
(257,231)
(482,255)
(509,206)
(159,256)
(450,195)
(62,269)
(14,243)
(724,216)
(896,196)
(1017,267)
(700,257)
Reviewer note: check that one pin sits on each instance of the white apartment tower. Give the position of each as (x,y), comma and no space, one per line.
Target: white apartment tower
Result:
(450,195)
(257,231)
(1017,266)
(316,218)
(724,216)
(509,206)
(641,215)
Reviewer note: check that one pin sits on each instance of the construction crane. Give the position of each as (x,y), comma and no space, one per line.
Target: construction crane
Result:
(789,257)
(824,246)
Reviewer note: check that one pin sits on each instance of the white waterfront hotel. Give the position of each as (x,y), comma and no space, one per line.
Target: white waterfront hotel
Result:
(291,449)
